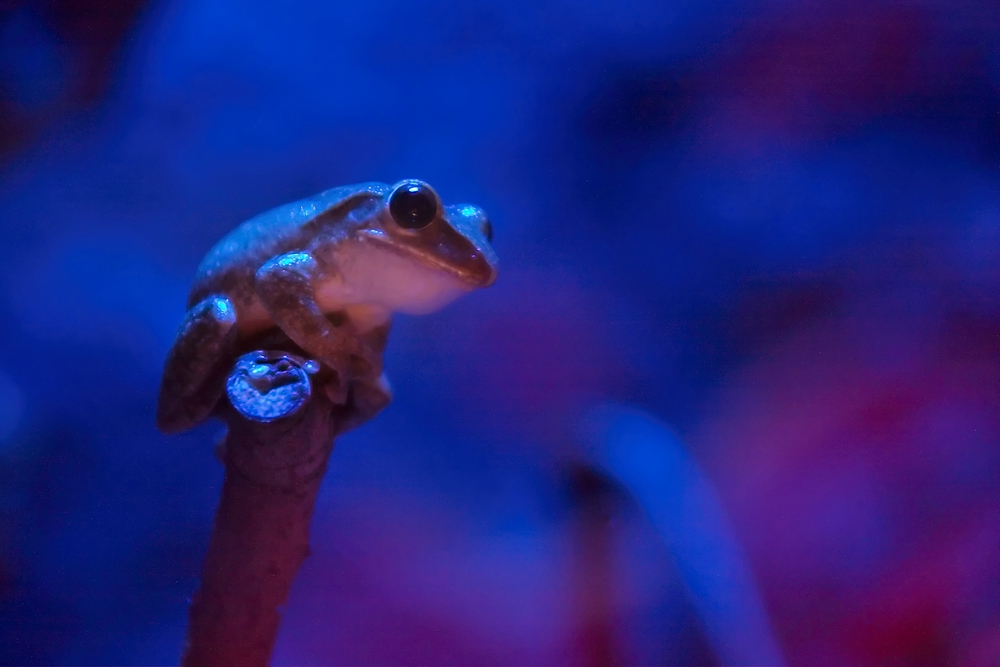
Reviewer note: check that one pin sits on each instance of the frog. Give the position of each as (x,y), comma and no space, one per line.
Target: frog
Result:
(328,271)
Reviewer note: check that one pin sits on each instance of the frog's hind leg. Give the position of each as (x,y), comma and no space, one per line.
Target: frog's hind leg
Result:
(194,373)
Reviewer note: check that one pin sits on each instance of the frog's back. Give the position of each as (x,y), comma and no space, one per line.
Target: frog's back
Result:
(230,265)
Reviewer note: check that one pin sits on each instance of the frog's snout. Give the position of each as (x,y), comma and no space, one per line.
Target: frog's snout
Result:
(486,227)
(488,273)
(472,218)
(473,223)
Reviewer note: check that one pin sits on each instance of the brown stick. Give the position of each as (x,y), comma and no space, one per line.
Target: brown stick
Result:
(261,532)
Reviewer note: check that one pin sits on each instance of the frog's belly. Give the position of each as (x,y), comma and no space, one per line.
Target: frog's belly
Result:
(251,318)
(254,318)
(368,287)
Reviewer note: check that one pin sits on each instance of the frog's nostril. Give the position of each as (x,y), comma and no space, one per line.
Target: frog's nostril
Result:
(487,228)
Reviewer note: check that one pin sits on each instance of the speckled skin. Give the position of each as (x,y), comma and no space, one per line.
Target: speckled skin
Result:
(328,271)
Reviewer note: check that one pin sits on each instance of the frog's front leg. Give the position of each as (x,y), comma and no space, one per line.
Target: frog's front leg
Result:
(194,373)
(286,287)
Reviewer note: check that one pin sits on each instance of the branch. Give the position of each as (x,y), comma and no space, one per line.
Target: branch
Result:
(281,429)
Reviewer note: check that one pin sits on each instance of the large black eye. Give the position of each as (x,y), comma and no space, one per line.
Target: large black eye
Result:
(413,205)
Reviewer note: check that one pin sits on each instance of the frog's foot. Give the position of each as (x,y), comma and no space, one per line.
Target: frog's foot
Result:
(369,396)
(367,362)
(194,373)
(338,387)
(347,375)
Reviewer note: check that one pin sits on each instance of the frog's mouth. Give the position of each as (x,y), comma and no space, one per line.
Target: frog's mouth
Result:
(459,258)
(399,279)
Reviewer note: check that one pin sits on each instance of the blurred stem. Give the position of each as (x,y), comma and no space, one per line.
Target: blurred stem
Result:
(596,500)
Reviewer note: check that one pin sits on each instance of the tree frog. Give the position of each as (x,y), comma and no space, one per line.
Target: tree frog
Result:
(328,271)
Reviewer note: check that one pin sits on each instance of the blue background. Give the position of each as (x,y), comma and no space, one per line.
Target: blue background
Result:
(773,227)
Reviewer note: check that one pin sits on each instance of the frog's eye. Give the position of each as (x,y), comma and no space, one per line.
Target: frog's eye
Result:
(487,228)
(413,205)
